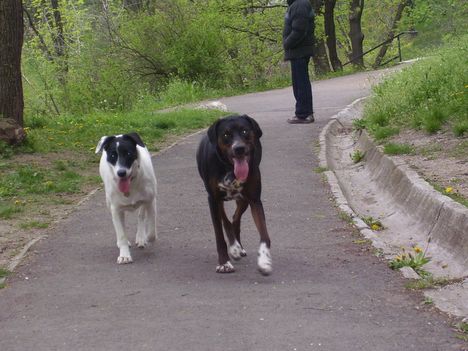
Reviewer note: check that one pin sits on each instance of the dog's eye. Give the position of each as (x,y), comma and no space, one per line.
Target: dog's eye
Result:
(244,132)
(113,156)
(226,135)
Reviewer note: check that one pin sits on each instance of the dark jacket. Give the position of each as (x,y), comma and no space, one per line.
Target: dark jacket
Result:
(298,33)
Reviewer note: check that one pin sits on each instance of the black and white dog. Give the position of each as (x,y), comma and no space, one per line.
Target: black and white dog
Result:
(130,184)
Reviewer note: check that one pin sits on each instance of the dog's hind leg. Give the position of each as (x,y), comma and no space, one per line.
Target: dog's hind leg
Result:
(264,262)
(146,231)
(216,211)
(151,228)
(118,218)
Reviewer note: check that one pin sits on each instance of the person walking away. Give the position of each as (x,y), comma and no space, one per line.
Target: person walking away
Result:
(298,44)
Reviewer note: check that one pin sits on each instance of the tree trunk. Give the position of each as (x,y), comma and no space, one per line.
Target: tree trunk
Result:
(331,34)
(11,44)
(59,40)
(320,58)
(391,33)
(356,7)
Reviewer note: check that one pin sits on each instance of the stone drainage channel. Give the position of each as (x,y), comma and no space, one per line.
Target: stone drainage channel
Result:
(410,210)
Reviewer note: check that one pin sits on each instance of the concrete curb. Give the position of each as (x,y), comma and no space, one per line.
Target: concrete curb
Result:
(442,219)
(333,181)
(437,216)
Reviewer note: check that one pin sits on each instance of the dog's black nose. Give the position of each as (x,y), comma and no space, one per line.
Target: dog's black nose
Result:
(239,150)
(122,173)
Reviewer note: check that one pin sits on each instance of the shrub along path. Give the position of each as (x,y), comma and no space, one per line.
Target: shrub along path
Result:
(326,292)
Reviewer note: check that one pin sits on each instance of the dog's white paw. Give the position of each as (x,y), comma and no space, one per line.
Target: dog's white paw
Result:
(124,256)
(264,261)
(141,243)
(235,251)
(225,268)
(124,259)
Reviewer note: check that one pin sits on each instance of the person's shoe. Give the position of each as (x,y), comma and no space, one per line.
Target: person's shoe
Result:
(297,120)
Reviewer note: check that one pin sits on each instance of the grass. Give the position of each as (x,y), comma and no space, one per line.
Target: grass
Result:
(81,133)
(320,170)
(4,272)
(398,149)
(8,210)
(428,95)
(453,195)
(357,156)
(462,330)
(430,282)
(346,217)
(34,225)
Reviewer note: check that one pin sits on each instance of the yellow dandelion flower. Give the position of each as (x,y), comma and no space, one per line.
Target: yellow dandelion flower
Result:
(417,249)
(449,190)
(375,226)
(18,202)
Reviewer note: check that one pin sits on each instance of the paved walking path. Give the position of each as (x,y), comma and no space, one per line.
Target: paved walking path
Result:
(326,292)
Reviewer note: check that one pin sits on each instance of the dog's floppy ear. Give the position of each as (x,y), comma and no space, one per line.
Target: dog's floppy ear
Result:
(105,140)
(213,132)
(256,128)
(136,138)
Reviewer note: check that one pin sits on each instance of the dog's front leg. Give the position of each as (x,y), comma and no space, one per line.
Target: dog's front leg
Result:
(236,222)
(118,218)
(264,262)
(235,248)
(224,265)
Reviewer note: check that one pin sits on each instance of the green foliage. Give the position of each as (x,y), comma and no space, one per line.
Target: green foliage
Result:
(427,95)
(357,156)
(34,225)
(415,260)
(381,133)
(6,151)
(4,272)
(37,180)
(397,149)
(359,124)
(373,223)
(437,22)
(7,210)
(460,128)
(78,133)
(169,52)
(429,282)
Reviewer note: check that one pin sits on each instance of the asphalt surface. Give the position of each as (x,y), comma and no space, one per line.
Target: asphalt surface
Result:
(326,292)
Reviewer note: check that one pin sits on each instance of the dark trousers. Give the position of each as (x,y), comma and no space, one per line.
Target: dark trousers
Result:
(301,86)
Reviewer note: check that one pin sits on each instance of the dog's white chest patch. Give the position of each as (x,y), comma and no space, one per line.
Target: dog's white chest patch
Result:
(231,187)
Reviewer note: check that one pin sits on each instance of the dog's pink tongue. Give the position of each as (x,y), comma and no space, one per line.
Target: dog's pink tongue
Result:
(241,169)
(124,185)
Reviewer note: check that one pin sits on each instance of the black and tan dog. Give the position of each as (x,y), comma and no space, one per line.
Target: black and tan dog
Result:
(228,160)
